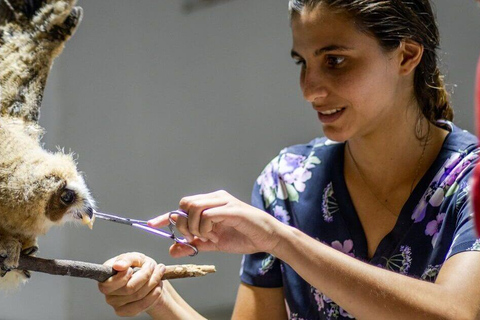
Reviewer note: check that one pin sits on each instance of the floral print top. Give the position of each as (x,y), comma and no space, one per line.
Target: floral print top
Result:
(304,187)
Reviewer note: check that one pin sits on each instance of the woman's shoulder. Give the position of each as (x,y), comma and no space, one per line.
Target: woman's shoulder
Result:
(287,175)
(305,155)
(458,139)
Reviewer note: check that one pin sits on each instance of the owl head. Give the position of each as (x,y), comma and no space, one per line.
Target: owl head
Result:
(38,188)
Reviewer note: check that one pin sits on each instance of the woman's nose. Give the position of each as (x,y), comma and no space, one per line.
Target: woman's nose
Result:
(313,85)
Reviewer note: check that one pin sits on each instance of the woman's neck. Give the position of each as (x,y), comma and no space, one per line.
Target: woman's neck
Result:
(394,157)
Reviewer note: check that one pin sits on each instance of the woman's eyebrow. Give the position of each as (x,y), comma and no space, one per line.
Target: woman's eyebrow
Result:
(323,50)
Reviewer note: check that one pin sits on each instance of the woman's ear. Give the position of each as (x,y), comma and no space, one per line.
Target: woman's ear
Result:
(411,53)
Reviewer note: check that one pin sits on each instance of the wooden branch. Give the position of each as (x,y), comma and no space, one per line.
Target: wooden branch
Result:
(100,272)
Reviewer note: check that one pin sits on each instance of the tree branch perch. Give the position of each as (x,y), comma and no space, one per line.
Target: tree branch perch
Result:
(100,272)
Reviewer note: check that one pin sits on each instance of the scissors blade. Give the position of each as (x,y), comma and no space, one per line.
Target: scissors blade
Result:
(117,219)
(157,232)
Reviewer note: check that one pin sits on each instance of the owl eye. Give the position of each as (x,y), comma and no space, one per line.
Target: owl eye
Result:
(67,196)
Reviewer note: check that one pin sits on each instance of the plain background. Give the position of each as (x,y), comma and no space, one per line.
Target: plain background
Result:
(159,103)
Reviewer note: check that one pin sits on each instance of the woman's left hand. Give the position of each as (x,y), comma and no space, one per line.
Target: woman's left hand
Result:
(219,222)
(129,292)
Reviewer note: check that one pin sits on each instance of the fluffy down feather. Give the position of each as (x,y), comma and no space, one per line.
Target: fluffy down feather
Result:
(38,188)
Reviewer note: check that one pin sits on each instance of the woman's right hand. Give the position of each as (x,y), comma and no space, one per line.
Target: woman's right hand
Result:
(130,293)
(218,221)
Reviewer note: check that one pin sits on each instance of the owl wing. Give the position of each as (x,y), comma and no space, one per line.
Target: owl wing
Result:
(32,34)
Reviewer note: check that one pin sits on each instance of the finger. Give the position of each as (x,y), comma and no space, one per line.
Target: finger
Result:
(160,221)
(186,203)
(193,206)
(178,250)
(116,282)
(137,280)
(182,226)
(136,295)
(206,228)
(134,308)
(196,209)
(110,262)
(227,215)
(127,260)
(122,264)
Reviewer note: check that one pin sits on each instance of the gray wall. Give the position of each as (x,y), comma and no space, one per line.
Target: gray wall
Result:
(159,104)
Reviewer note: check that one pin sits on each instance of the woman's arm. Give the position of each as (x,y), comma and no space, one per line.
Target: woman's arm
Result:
(369,292)
(143,291)
(173,306)
(365,291)
(258,303)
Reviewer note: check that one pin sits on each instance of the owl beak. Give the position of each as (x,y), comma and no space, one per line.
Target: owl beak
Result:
(87,217)
(89,212)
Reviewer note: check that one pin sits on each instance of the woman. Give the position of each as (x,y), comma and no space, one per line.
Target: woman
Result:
(374,226)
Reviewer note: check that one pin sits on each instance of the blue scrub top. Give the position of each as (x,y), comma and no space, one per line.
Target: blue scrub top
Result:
(304,187)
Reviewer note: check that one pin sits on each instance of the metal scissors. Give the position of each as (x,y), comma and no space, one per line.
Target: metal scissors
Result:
(142,224)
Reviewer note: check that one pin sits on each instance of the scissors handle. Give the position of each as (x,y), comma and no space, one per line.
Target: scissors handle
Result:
(174,237)
(179,212)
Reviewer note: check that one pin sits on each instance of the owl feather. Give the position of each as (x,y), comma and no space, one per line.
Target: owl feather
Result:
(38,188)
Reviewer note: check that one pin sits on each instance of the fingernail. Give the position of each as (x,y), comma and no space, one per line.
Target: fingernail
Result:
(129,272)
(163,269)
(121,262)
(203,239)
(189,238)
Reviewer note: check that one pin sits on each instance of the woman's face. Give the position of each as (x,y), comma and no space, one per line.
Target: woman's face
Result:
(352,83)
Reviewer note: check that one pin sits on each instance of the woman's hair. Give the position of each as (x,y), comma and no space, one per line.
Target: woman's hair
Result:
(390,22)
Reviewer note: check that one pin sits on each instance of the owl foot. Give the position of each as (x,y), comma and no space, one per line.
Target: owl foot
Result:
(9,250)
(30,251)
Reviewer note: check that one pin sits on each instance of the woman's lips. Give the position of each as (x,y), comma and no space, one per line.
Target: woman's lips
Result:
(329,118)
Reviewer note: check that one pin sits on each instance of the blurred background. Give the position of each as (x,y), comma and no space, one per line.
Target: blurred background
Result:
(163,99)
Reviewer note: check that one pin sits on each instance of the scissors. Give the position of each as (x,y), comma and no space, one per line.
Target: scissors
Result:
(141,224)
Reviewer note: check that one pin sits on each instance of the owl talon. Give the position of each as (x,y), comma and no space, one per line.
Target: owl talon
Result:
(6,269)
(30,251)
(27,274)
(10,251)
(2,273)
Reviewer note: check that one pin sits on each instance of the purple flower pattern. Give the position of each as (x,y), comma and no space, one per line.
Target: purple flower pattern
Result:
(400,262)
(329,203)
(267,264)
(285,176)
(431,272)
(281,214)
(333,310)
(328,306)
(433,227)
(444,183)
(346,248)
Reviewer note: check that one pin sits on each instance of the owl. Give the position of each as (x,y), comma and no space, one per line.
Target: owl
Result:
(38,188)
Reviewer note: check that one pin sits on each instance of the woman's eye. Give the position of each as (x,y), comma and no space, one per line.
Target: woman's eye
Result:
(300,63)
(333,61)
